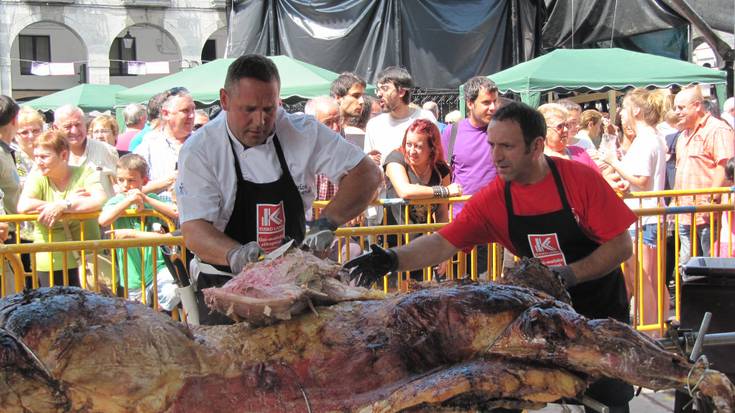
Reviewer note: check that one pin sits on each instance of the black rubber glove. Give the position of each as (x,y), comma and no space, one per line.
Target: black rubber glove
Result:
(565,274)
(368,268)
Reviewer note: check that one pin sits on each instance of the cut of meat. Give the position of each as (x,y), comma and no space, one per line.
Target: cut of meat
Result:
(480,345)
(268,291)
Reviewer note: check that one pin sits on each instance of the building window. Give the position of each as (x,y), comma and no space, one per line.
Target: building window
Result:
(209,52)
(36,48)
(119,57)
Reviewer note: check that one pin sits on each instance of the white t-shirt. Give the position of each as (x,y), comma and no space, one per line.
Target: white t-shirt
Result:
(102,157)
(583,140)
(385,133)
(646,156)
(206,184)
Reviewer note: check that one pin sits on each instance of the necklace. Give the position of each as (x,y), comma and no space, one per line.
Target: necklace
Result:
(424,175)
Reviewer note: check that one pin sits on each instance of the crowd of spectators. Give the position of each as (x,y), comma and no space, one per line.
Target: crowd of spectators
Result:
(658,141)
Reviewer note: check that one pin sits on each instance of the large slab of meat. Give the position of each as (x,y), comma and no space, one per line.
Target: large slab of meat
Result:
(269,291)
(462,346)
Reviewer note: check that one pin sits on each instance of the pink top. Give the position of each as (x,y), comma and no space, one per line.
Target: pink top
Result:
(580,155)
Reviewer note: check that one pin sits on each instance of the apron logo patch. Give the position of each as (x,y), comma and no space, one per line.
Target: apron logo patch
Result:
(271,225)
(546,248)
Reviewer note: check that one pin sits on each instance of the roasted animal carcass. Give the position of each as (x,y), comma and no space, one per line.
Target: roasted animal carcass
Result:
(463,346)
(270,291)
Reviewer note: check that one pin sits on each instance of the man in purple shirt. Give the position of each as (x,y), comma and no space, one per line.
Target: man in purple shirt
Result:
(466,148)
(469,154)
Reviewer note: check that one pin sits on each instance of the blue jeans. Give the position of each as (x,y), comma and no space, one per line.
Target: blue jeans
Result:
(649,234)
(685,242)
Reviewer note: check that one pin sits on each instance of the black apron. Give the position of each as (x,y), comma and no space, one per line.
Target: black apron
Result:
(265,213)
(557,239)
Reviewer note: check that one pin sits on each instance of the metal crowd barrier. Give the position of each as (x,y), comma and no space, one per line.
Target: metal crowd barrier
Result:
(647,273)
(97,263)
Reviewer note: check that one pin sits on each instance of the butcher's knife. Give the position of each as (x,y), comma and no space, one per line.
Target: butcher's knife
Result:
(278,251)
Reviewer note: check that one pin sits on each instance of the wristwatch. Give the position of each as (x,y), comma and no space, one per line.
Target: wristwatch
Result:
(67,205)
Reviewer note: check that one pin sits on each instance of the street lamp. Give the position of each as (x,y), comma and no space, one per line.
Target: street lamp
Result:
(128,40)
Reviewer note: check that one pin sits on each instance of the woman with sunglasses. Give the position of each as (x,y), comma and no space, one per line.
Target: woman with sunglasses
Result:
(557,137)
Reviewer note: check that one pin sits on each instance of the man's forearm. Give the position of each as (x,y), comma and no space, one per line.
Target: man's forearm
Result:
(355,192)
(604,259)
(424,252)
(156,186)
(208,243)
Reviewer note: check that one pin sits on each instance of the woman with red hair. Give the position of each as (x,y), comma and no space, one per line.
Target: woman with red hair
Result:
(417,170)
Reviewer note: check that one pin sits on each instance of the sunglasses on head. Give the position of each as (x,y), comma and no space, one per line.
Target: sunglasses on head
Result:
(176,91)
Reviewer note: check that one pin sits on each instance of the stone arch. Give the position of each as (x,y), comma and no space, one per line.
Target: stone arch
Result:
(219,32)
(153,43)
(28,86)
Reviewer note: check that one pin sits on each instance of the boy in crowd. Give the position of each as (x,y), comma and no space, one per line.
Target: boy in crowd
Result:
(132,174)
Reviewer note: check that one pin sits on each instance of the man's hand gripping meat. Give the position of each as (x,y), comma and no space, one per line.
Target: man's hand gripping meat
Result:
(368,268)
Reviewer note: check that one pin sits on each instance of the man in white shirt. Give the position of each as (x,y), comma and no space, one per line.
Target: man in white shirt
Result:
(162,152)
(96,155)
(247,177)
(384,132)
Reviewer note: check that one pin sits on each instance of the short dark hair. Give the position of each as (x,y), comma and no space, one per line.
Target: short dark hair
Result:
(530,120)
(730,169)
(399,77)
(342,84)
(154,105)
(367,109)
(8,110)
(473,87)
(252,65)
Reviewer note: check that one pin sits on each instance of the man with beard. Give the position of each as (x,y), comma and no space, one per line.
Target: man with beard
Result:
(385,131)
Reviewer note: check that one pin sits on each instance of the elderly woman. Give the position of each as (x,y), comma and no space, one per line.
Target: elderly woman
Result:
(53,189)
(557,132)
(30,125)
(417,170)
(103,128)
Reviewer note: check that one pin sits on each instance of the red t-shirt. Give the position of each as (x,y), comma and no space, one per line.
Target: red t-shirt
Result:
(602,215)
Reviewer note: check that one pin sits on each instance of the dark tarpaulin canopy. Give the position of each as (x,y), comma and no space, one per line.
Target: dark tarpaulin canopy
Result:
(441,43)
(573,23)
(601,70)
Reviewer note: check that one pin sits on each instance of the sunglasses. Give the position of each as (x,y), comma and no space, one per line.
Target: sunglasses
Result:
(176,91)
(197,126)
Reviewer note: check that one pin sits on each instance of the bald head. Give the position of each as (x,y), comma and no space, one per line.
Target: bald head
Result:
(688,108)
(326,110)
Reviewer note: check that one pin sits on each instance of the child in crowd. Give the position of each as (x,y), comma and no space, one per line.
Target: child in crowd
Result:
(132,174)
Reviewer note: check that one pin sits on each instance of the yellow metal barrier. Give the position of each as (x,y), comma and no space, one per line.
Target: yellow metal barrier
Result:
(460,264)
(97,247)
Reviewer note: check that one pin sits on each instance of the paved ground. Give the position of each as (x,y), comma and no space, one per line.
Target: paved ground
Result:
(646,402)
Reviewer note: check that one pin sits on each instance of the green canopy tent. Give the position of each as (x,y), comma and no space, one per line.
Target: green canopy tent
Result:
(600,70)
(298,80)
(87,96)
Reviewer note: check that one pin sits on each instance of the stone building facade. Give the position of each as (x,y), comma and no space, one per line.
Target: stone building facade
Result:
(89,34)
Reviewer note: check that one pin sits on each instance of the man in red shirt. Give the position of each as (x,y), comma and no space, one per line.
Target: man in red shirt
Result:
(559,211)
